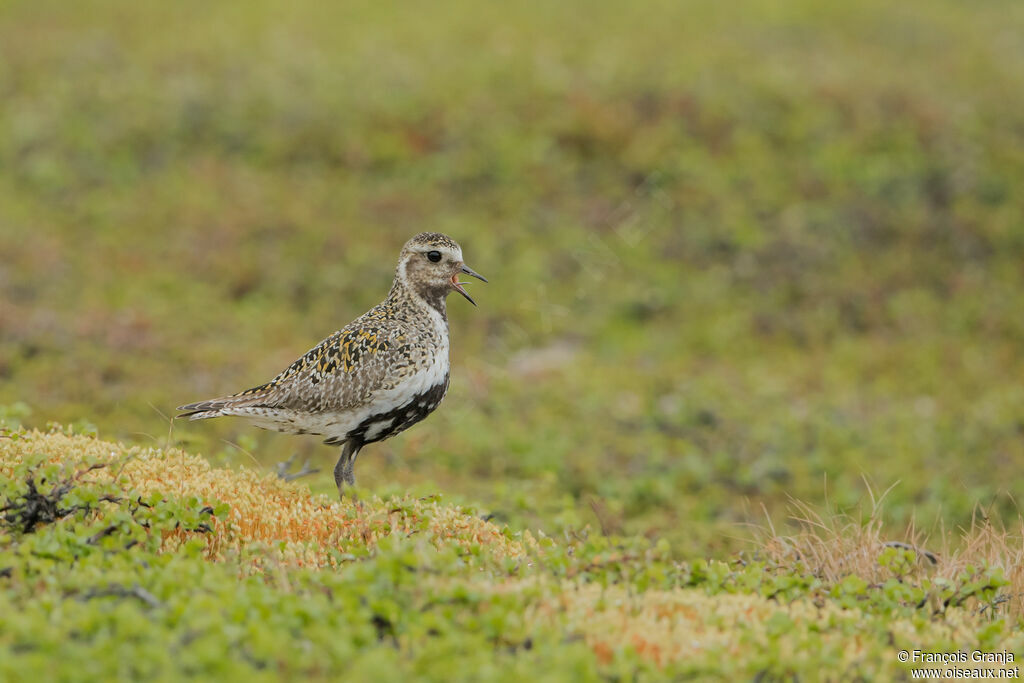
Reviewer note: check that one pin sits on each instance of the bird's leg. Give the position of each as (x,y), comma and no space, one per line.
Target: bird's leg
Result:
(339,468)
(350,475)
(343,471)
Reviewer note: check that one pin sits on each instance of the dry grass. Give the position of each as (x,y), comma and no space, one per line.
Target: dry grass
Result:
(280,519)
(833,545)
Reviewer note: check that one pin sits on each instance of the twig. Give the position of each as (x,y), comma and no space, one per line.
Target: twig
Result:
(122,592)
(932,557)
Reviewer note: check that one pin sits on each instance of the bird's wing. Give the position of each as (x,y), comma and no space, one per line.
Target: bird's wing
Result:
(343,371)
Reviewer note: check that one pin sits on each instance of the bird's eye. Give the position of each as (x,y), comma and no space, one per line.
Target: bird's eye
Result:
(434,256)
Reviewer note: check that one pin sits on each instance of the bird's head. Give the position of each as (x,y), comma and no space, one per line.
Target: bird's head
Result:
(430,265)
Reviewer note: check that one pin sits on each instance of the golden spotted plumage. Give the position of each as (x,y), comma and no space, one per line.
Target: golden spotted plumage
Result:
(376,376)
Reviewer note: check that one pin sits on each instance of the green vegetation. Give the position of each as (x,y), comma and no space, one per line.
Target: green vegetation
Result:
(739,254)
(141,572)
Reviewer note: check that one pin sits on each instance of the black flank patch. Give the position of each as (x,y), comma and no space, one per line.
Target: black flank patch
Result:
(402,417)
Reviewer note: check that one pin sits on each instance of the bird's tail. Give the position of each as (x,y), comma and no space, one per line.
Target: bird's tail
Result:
(219,407)
(203,409)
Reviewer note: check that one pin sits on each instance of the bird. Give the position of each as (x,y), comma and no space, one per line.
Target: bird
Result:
(374,378)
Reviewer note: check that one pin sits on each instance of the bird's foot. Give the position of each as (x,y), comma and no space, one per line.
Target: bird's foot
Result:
(285,465)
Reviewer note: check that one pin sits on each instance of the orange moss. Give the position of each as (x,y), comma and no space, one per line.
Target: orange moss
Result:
(267,515)
(666,626)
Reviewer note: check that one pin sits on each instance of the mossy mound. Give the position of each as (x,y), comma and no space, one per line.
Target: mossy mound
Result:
(256,509)
(125,563)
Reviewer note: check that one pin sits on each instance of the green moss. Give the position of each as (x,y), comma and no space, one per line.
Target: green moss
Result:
(98,590)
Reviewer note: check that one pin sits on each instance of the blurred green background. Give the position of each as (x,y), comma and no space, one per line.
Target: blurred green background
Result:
(738,251)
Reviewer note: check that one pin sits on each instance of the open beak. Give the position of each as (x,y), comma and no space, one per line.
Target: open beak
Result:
(458,285)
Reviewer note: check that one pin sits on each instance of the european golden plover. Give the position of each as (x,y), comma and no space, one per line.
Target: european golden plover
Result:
(374,378)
